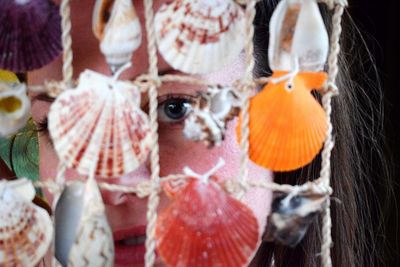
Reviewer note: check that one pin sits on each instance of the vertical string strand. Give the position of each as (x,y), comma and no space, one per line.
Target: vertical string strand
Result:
(325,173)
(154,198)
(67,69)
(247,87)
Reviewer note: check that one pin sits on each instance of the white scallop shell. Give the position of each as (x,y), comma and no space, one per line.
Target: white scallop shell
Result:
(122,33)
(14,108)
(25,229)
(94,244)
(100,126)
(208,119)
(200,36)
(297,36)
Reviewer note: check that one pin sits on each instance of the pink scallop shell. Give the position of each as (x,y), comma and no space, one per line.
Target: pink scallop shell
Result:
(200,36)
(205,226)
(30,34)
(100,126)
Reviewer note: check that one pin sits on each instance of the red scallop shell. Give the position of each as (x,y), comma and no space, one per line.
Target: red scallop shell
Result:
(205,226)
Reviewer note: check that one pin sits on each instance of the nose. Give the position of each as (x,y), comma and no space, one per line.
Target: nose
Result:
(116,197)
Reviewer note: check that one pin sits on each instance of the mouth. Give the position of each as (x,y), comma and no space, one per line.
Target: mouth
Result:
(129,246)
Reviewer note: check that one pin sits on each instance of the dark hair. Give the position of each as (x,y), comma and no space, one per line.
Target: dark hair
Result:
(357,124)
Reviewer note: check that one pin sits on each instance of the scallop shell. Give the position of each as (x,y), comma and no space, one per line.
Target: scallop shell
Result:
(15,108)
(121,35)
(287,127)
(30,34)
(213,109)
(25,230)
(67,214)
(100,125)
(204,226)
(298,33)
(197,36)
(291,216)
(94,244)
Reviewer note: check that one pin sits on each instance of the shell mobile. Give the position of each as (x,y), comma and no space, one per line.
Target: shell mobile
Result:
(101,128)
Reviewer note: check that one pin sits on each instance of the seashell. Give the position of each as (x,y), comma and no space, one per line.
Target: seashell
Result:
(30,34)
(205,226)
(14,108)
(67,214)
(287,126)
(121,35)
(197,36)
(94,244)
(210,114)
(297,34)
(291,216)
(100,125)
(25,230)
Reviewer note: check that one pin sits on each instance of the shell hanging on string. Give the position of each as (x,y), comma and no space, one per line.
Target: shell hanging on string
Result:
(205,226)
(100,123)
(200,36)
(120,34)
(15,108)
(30,34)
(208,119)
(68,212)
(25,229)
(287,126)
(292,214)
(297,33)
(93,241)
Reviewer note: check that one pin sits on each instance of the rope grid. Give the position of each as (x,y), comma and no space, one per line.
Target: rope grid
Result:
(152,81)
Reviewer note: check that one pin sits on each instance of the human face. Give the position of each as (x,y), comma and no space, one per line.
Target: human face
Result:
(127,213)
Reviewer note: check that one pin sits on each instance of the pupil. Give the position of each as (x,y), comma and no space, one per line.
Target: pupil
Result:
(176,109)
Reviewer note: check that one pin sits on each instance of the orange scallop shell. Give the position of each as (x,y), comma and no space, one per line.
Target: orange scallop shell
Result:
(205,226)
(287,127)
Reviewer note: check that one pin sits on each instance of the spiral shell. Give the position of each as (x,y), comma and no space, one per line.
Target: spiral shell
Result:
(211,112)
(25,229)
(100,126)
(297,37)
(204,226)
(15,108)
(121,34)
(30,34)
(197,36)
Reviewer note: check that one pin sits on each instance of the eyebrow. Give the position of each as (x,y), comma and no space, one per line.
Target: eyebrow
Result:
(43,97)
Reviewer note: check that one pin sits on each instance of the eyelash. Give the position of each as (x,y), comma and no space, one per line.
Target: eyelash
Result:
(42,125)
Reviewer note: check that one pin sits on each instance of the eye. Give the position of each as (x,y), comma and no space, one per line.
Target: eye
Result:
(174,109)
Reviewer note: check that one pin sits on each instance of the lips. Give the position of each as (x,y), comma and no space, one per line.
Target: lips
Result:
(130,246)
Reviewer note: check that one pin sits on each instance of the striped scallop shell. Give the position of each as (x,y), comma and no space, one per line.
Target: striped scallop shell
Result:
(30,34)
(297,34)
(100,126)
(25,229)
(199,36)
(121,34)
(205,226)
(287,127)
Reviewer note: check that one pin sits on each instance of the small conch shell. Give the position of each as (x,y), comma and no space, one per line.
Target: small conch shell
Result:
(205,226)
(14,108)
(292,214)
(209,116)
(100,125)
(25,229)
(287,126)
(121,34)
(197,36)
(297,36)
(94,244)
(67,216)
